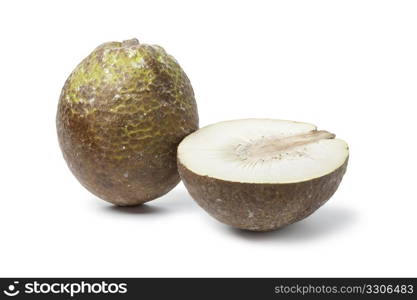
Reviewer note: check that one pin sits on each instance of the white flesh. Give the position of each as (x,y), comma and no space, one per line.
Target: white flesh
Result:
(262,151)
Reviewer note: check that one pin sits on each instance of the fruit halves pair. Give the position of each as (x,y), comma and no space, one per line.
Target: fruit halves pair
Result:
(127,125)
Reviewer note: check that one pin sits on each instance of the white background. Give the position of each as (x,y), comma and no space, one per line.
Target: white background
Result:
(349,67)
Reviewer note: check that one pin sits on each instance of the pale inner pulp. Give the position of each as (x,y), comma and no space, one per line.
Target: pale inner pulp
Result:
(262,151)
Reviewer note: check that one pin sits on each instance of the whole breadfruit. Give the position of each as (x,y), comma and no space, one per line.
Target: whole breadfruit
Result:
(121,115)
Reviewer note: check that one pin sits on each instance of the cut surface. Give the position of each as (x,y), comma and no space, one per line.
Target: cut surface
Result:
(262,151)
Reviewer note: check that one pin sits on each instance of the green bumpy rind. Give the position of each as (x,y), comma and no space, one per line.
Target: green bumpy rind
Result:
(121,115)
(260,207)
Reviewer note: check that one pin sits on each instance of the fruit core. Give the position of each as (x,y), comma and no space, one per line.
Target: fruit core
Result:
(268,148)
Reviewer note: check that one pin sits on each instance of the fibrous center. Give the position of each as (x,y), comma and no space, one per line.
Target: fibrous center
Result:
(267,148)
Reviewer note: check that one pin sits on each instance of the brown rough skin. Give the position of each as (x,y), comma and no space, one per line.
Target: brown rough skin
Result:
(121,115)
(260,207)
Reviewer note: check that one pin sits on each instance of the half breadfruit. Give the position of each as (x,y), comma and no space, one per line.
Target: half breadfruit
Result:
(261,174)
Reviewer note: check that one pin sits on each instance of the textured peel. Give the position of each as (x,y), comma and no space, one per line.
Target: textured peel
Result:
(261,174)
(121,114)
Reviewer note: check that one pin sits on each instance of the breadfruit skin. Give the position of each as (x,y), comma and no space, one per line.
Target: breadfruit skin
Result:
(121,115)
